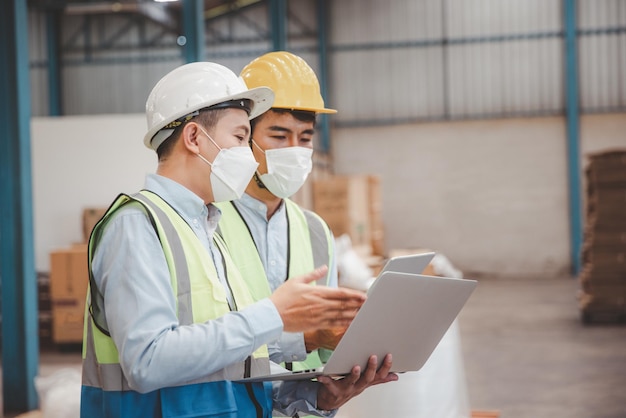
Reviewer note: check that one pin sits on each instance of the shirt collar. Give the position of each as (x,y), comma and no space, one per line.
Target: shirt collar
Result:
(184,201)
(258,207)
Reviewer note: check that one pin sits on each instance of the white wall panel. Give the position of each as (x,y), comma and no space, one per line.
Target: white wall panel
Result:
(599,13)
(474,18)
(36,37)
(602,71)
(493,78)
(39,92)
(79,162)
(602,55)
(491,194)
(383,84)
(465,75)
(367,21)
(111,88)
(38,55)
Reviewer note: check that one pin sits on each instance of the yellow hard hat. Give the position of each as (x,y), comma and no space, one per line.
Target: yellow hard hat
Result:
(293,81)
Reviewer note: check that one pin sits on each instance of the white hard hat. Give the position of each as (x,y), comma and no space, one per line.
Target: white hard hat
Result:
(196,86)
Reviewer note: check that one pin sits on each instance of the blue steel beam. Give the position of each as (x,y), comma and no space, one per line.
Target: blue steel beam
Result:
(278,24)
(193,27)
(53,28)
(20,348)
(572,112)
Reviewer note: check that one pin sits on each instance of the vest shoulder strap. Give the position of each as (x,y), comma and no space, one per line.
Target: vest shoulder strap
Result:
(319,235)
(236,234)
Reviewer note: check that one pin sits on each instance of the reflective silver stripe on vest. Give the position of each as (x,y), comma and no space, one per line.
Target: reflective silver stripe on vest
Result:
(185,314)
(111,378)
(319,243)
(106,376)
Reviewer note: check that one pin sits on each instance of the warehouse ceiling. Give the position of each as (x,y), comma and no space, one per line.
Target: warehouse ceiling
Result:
(165,13)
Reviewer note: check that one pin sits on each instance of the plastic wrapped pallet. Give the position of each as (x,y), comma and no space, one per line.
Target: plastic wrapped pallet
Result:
(439,389)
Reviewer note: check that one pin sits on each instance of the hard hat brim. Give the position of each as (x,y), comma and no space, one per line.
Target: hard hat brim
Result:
(262,99)
(307,109)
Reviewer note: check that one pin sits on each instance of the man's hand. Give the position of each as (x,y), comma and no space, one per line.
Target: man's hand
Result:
(323,338)
(303,307)
(334,393)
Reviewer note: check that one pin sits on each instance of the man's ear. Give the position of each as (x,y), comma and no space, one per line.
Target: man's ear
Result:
(190,137)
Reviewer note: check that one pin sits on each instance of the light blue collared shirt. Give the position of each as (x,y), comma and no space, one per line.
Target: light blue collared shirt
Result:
(271,239)
(131,272)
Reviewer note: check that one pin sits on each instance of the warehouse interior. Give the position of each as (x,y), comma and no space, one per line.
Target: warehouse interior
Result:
(492,132)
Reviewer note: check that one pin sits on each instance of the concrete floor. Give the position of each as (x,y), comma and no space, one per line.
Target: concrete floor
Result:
(526,353)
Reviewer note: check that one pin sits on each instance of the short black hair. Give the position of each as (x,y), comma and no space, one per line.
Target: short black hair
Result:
(301,115)
(208,118)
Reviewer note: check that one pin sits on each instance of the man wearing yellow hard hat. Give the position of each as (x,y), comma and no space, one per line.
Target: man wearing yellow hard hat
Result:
(171,326)
(270,237)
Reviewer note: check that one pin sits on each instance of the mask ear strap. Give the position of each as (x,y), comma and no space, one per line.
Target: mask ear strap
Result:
(252,141)
(205,160)
(209,136)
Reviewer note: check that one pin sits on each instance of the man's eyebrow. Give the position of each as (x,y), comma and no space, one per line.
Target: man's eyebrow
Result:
(277,128)
(245,128)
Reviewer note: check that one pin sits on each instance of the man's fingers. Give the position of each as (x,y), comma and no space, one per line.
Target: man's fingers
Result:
(316,274)
(386,366)
(370,371)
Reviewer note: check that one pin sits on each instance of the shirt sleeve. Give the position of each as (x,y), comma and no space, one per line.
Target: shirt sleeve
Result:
(155,351)
(297,396)
(288,348)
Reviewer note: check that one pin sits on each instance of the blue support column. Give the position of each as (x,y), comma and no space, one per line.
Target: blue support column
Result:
(55,103)
(322,42)
(278,24)
(20,339)
(193,24)
(573,134)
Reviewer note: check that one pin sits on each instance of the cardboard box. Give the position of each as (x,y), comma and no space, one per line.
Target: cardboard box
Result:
(91,216)
(485,414)
(322,169)
(68,273)
(343,202)
(376,215)
(69,277)
(67,323)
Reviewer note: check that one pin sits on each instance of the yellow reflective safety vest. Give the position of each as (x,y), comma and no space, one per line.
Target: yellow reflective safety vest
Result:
(309,246)
(200,297)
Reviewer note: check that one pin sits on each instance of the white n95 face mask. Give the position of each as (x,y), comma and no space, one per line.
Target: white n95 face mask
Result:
(287,169)
(231,171)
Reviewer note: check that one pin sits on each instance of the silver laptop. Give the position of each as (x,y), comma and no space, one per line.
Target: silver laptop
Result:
(404,314)
(412,263)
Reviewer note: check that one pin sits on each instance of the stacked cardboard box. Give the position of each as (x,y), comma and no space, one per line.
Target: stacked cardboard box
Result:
(91,216)
(375,204)
(351,205)
(62,293)
(603,277)
(322,169)
(44,306)
(68,288)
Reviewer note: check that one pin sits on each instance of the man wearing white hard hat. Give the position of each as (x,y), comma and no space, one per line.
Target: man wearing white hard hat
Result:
(171,325)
